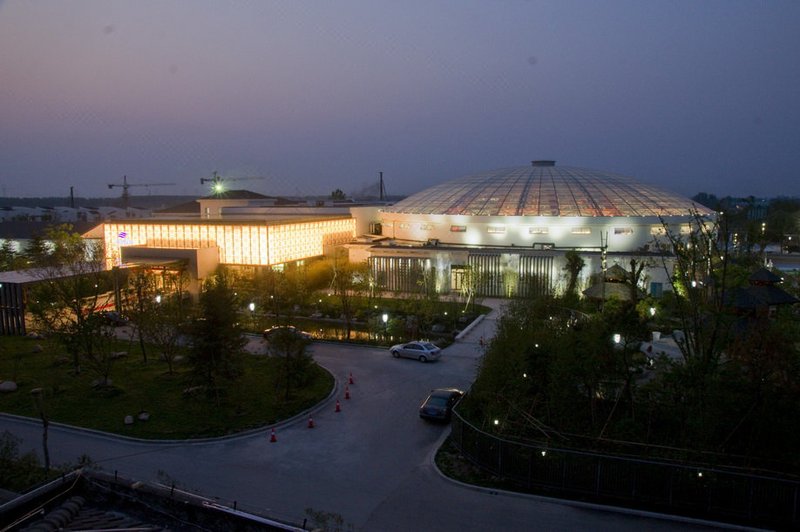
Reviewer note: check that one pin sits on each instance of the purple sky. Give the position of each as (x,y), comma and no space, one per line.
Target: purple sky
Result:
(314,96)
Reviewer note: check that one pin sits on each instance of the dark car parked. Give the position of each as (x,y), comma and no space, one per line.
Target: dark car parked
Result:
(439,404)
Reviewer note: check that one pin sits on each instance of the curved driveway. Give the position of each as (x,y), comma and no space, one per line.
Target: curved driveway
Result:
(371,463)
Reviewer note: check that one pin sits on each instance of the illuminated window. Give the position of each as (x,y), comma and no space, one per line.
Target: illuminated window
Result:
(497,229)
(538,230)
(623,230)
(581,231)
(657,230)
(426,227)
(458,275)
(458,228)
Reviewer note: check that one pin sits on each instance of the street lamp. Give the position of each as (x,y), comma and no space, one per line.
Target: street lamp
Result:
(385,319)
(158,298)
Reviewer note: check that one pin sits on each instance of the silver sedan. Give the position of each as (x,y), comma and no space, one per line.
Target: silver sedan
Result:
(422,351)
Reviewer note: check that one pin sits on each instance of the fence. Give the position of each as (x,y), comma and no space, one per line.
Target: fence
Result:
(709,492)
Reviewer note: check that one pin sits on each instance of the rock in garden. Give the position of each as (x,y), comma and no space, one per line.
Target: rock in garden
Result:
(8,386)
(129,420)
(143,416)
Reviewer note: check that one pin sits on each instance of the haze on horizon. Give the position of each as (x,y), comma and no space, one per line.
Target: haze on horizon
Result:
(693,96)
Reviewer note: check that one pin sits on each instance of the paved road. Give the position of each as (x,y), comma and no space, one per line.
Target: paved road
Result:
(371,463)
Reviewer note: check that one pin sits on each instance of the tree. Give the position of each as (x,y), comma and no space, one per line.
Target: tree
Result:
(158,308)
(573,269)
(72,291)
(9,258)
(217,344)
(290,346)
(349,281)
(472,280)
(36,252)
(338,195)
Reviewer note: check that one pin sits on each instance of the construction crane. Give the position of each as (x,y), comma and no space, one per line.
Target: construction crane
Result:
(125,186)
(218,182)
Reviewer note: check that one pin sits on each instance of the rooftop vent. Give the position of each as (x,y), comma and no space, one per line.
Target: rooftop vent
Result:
(543,163)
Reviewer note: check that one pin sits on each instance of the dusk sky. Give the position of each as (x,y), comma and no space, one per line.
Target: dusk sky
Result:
(697,96)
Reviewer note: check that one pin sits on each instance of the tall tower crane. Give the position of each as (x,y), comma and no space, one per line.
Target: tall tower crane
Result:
(218,182)
(125,186)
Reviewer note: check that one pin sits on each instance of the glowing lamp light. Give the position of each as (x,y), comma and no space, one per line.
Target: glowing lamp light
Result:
(385,318)
(544,453)
(496,422)
(158,298)
(251,306)
(652,311)
(617,338)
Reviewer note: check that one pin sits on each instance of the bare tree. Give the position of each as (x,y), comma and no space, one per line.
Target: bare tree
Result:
(74,288)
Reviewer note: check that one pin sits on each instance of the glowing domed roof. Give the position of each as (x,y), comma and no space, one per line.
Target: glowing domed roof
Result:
(544,189)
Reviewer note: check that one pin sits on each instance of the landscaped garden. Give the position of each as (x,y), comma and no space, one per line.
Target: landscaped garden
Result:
(174,404)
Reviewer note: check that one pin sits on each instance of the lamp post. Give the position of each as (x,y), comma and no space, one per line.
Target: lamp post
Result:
(38,399)
(385,319)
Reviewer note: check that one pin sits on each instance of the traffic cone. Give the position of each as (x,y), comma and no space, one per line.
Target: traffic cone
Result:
(351,378)
(338,406)
(310,422)
(346,392)
(272,437)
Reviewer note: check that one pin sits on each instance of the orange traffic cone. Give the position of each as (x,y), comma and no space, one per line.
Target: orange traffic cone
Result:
(272,437)
(338,406)
(351,378)
(310,422)
(346,392)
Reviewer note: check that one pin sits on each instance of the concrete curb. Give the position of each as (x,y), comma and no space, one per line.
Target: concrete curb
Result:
(469,327)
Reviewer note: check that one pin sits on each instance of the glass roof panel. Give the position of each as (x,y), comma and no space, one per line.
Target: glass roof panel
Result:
(546,191)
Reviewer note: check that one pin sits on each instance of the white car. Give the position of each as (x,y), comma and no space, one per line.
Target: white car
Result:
(422,351)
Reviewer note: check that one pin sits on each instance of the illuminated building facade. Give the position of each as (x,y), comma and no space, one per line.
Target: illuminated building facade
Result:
(505,232)
(501,233)
(220,234)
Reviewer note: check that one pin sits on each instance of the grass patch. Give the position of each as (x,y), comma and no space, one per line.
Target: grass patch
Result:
(255,400)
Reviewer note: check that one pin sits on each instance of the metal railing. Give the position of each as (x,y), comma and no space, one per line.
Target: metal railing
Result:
(661,485)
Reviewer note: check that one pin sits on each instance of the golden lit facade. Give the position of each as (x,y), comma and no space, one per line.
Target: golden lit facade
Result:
(245,243)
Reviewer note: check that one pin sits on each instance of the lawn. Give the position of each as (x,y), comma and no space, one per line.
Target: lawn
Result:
(253,401)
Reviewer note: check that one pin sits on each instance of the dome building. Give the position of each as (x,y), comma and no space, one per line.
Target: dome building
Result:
(515,224)
(540,205)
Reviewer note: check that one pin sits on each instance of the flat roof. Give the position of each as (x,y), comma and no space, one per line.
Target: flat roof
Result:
(248,220)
